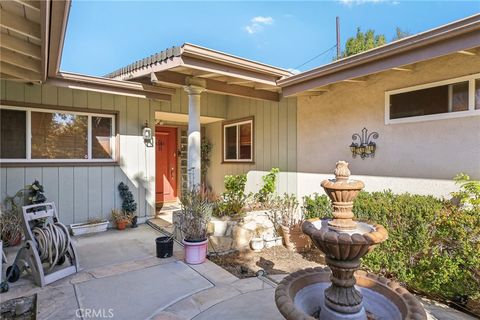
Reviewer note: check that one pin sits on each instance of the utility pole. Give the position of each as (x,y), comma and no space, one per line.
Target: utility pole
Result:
(338,37)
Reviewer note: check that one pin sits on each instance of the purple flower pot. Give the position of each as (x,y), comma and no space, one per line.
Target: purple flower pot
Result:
(195,252)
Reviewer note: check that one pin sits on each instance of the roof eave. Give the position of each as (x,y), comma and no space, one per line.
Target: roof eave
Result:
(443,33)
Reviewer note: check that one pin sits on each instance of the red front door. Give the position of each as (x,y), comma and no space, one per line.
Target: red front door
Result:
(166,164)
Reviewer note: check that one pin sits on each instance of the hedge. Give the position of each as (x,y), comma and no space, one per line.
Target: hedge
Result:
(433,245)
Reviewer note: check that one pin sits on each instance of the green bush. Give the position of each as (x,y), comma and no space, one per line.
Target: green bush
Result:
(269,186)
(433,245)
(233,200)
(316,206)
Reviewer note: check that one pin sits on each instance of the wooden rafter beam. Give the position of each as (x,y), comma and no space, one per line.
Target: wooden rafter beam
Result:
(239,81)
(20,46)
(105,88)
(168,77)
(354,80)
(402,69)
(467,52)
(35,5)
(17,72)
(19,60)
(19,24)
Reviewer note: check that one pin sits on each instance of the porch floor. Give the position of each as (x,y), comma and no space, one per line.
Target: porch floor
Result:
(120,272)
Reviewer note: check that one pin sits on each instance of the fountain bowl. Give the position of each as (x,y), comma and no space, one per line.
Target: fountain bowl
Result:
(300,296)
(344,245)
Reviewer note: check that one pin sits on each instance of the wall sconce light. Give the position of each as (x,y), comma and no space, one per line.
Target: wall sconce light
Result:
(365,147)
(147,135)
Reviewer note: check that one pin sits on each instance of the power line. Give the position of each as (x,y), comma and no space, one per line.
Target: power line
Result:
(317,56)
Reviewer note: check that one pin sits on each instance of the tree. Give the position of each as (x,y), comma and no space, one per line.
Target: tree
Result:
(362,42)
(400,34)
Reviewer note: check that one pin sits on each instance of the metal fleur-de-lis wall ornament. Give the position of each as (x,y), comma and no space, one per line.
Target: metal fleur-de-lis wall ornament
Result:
(365,147)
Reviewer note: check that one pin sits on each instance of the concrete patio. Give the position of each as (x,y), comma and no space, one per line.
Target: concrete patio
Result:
(122,279)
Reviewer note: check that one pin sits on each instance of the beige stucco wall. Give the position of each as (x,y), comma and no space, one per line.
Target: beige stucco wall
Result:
(421,157)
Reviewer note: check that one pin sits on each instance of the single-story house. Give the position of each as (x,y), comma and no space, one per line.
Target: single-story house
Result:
(406,116)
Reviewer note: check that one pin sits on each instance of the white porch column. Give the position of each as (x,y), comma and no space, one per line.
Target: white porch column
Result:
(194,87)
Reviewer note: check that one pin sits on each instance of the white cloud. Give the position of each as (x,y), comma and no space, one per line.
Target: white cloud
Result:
(350,3)
(264,20)
(258,23)
(293,70)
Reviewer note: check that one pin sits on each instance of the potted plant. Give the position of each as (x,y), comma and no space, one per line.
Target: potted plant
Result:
(10,221)
(195,215)
(93,225)
(256,243)
(120,218)
(129,206)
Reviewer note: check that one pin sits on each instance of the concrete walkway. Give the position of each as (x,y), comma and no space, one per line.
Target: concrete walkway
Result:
(122,279)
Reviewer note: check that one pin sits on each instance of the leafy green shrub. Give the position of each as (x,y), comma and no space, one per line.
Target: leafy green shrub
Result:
(269,186)
(129,206)
(233,200)
(469,193)
(433,245)
(316,206)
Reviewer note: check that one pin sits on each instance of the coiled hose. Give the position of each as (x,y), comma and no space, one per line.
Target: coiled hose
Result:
(53,241)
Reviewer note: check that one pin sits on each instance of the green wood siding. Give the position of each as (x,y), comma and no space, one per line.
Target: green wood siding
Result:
(85,192)
(275,143)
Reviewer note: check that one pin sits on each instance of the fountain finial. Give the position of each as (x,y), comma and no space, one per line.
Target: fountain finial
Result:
(342,173)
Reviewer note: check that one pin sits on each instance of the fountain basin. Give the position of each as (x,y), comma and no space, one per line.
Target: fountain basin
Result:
(300,296)
(346,245)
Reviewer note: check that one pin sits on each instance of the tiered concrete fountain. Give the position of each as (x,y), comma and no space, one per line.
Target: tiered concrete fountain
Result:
(341,291)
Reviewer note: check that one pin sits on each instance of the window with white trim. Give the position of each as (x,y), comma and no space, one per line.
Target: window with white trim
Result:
(45,135)
(238,141)
(452,98)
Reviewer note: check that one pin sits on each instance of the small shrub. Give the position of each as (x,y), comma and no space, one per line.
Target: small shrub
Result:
(433,245)
(469,193)
(233,200)
(269,186)
(128,205)
(283,211)
(205,153)
(316,206)
(36,193)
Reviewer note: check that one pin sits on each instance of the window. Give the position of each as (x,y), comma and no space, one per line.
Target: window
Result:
(238,141)
(445,99)
(40,135)
(13,134)
(477,94)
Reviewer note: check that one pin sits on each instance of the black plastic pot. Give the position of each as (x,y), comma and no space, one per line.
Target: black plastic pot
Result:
(164,247)
(134,222)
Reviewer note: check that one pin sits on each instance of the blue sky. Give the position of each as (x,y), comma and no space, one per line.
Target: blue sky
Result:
(105,35)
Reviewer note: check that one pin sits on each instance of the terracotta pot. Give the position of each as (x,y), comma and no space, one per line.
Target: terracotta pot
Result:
(12,242)
(195,252)
(122,224)
(295,239)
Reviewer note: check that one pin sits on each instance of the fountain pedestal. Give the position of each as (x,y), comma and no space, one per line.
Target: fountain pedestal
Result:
(344,242)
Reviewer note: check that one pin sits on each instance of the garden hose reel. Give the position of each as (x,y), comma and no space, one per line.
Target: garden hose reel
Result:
(46,249)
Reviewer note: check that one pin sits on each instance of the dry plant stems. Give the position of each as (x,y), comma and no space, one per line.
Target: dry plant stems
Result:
(95,220)
(118,215)
(283,211)
(10,221)
(197,210)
